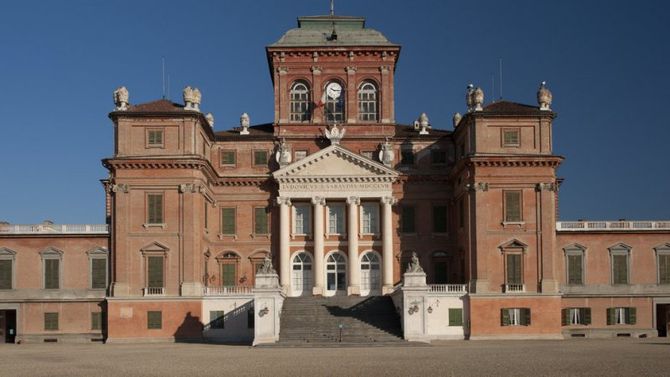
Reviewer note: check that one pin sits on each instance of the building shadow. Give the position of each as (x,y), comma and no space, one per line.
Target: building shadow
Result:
(190,330)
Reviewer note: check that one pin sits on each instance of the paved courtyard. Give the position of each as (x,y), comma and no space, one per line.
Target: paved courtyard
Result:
(617,357)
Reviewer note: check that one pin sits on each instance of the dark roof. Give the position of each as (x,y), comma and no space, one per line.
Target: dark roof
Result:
(405,131)
(259,131)
(159,106)
(512,108)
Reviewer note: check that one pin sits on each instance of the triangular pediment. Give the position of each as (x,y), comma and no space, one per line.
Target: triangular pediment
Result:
(335,161)
(154,247)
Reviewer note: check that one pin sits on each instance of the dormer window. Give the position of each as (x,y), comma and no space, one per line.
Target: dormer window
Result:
(300,102)
(334,102)
(367,102)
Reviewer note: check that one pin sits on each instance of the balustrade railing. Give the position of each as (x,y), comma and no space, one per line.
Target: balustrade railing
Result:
(514,288)
(227,290)
(448,288)
(584,226)
(54,228)
(154,291)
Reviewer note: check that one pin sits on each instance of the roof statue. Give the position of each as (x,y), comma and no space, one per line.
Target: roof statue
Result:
(192,98)
(334,134)
(478,99)
(386,154)
(544,97)
(414,265)
(469,102)
(210,119)
(283,155)
(244,123)
(121,99)
(422,124)
(457,119)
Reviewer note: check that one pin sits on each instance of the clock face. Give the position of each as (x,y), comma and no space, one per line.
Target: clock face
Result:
(333,90)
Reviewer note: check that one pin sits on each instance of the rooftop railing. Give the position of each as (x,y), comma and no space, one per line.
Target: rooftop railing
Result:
(448,288)
(585,226)
(227,290)
(47,228)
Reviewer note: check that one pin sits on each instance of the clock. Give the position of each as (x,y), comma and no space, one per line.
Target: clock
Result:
(333,90)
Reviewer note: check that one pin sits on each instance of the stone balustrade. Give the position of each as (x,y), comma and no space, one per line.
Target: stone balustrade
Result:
(54,228)
(586,226)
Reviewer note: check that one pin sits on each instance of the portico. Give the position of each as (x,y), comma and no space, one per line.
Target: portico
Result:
(335,219)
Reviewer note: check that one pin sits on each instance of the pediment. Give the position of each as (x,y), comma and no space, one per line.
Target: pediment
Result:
(154,247)
(336,161)
(513,244)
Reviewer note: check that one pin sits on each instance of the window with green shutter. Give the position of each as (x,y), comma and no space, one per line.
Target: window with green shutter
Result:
(154,208)
(228,157)
(6,273)
(155,272)
(407,219)
(586,315)
(504,317)
(524,319)
(216,319)
(260,220)
(154,138)
(99,273)
(154,320)
(575,268)
(663,268)
(512,203)
(228,221)
(619,268)
(514,269)
(511,137)
(51,321)
(439,219)
(611,316)
(631,316)
(52,273)
(228,274)
(260,158)
(455,317)
(96,320)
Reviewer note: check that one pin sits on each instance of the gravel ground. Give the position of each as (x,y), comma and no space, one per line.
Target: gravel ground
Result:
(616,357)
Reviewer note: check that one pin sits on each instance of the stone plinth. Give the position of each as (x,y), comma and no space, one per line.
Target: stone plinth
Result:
(268,302)
(414,279)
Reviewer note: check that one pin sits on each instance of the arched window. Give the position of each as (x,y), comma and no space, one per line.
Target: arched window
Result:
(367,102)
(334,102)
(299,111)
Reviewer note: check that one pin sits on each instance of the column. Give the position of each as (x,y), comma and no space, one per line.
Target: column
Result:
(352,233)
(387,243)
(284,252)
(318,270)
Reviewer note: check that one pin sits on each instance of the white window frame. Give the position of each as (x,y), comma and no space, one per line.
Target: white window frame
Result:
(574,316)
(514,316)
(369,220)
(620,316)
(299,95)
(306,228)
(339,227)
(368,94)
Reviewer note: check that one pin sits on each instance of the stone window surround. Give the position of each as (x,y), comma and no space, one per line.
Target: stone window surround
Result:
(148,144)
(149,224)
(221,233)
(154,250)
(228,257)
(661,250)
(375,99)
(267,220)
(294,230)
(227,165)
(575,249)
(253,158)
(504,203)
(9,254)
(291,100)
(329,205)
(513,247)
(506,130)
(620,249)
(98,253)
(52,253)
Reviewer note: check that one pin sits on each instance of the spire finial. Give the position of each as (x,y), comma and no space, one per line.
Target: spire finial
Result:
(332,7)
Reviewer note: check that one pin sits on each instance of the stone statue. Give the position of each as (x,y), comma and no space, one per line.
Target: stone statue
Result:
(414,265)
(457,119)
(192,98)
(283,155)
(386,154)
(422,124)
(544,97)
(469,101)
(478,99)
(334,134)
(267,267)
(244,123)
(210,119)
(121,98)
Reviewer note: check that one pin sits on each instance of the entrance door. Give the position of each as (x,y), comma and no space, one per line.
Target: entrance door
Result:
(370,279)
(440,267)
(336,274)
(301,275)
(7,326)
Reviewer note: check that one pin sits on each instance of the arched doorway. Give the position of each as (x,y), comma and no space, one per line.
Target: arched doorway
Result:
(440,267)
(301,274)
(336,274)
(370,276)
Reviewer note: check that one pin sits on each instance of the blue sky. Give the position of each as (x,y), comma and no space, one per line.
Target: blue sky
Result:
(605,62)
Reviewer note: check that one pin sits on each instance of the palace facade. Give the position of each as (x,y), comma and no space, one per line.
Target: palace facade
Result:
(339,196)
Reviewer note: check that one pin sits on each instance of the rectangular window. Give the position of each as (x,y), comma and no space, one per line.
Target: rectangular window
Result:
(439,219)
(515,317)
(5,274)
(621,316)
(96,321)
(576,316)
(99,273)
(260,220)
(154,320)
(406,157)
(155,138)
(336,222)
(216,319)
(228,157)
(438,156)
(51,321)
(663,269)
(370,218)
(154,208)
(155,272)
(407,220)
(511,137)
(228,274)
(575,268)
(455,317)
(52,273)
(260,158)
(620,268)
(299,155)
(513,269)
(512,206)
(228,221)
(302,219)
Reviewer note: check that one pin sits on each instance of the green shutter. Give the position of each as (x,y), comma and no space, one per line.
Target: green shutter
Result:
(6,274)
(631,316)
(513,206)
(504,317)
(408,219)
(575,269)
(227,220)
(52,273)
(455,317)
(260,221)
(260,157)
(620,269)
(98,273)
(154,320)
(155,271)
(96,321)
(586,315)
(514,269)
(155,208)
(51,321)
(664,269)
(525,316)
(564,316)
(610,316)
(216,319)
(228,158)
(440,219)
(228,274)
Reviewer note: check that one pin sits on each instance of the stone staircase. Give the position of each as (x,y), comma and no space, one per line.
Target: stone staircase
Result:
(317,320)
